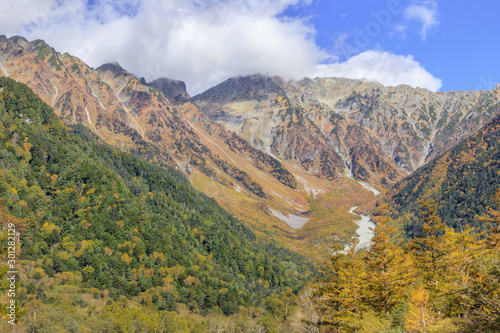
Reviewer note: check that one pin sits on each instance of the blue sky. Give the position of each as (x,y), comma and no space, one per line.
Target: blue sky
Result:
(438,45)
(461,48)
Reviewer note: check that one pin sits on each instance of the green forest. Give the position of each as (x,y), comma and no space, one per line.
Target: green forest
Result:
(98,221)
(462,182)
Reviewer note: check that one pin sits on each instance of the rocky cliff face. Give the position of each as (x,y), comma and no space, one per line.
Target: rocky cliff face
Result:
(76,92)
(380,133)
(174,90)
(327,127)
(155,119)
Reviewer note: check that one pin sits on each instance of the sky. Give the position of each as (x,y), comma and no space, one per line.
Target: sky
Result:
(437,45)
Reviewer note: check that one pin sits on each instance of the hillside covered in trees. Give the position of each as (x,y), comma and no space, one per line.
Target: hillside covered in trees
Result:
(462,182)
(110,242)
(443,281)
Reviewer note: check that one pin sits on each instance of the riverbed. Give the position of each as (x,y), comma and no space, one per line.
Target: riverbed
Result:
(365,230)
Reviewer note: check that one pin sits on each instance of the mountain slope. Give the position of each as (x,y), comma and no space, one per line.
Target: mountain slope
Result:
(462,182)
(379,132)
(95,217)
(128,114)
(261,147)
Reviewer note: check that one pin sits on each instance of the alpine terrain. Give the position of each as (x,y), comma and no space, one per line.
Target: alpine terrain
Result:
(213,212)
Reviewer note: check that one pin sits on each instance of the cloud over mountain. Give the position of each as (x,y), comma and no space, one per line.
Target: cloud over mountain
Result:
(387,68)
(201,42)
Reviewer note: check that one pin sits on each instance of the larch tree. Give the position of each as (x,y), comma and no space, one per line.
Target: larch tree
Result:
(389,269)
(343,291)
(427,250)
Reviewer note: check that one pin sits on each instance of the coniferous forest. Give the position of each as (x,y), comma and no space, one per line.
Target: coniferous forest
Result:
(462,182)
(108,242)
(439,281)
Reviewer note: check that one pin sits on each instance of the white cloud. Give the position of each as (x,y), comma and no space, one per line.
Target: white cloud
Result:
(424,11)
(400,30)
(384,67)
(201,42)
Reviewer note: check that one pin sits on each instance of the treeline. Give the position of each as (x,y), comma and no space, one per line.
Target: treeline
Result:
(440,281)
(100,219)
(239,175)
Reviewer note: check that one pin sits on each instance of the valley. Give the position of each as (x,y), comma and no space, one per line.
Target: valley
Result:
(364,231)
(229,207)
(259,132)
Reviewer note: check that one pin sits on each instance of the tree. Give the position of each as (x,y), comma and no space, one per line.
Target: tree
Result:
(310,316)
(343,292)
(463,251)
(419,314)
(427,250)
(389,269)
(484,292)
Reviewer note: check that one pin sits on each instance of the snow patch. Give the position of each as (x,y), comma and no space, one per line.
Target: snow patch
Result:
(293,221)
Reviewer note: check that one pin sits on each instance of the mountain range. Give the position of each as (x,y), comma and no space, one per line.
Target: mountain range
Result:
(263,147)
(152,210)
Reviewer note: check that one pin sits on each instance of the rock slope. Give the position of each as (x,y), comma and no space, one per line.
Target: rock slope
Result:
(380,133)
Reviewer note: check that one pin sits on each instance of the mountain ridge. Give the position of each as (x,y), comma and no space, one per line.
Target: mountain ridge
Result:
(257,143)
(410,129)
(462,182)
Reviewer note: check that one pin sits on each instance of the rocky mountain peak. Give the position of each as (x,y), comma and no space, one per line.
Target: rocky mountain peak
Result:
(14,42)
(113,67)
(241,88)
(321,126)
(19,40)
(174,90)
(36,47)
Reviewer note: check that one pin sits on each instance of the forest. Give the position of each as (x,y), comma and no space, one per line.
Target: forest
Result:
(439,281)
(100,222)
(462,182)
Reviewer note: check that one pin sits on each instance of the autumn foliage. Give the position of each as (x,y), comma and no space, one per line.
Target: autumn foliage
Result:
(442,281)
